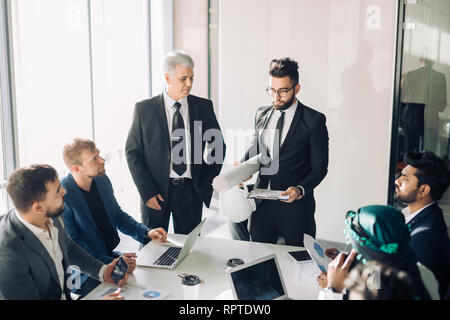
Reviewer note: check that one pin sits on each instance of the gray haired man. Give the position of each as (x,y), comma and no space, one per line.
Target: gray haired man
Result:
(165,148)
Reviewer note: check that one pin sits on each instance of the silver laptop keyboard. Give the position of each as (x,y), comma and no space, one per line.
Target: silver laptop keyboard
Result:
(169,257)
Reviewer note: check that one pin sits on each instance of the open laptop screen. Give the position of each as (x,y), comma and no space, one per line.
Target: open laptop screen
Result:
(260,281)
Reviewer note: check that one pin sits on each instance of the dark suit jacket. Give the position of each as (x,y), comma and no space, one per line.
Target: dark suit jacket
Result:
(429,241)
(26,269)
(303,158)
(80,224)
(148,147)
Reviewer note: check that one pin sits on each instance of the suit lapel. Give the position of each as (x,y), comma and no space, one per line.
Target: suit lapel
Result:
(262,125)
(194,129)
(62,244)
(297,117)
(194,115)
(80,205)
(265,119)
(423,215)
(35,245)
(162,118)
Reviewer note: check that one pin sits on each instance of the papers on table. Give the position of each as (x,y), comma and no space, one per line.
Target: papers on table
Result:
(267,194)
(317,252)
(135,292)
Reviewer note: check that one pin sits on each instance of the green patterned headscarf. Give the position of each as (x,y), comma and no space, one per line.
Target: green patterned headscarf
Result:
(379,233)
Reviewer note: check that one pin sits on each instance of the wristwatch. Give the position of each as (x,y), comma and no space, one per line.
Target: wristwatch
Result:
(302,192)
(146,237)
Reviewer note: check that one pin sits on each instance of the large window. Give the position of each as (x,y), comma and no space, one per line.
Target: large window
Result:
(3,199)
(79,68)
(424,112)
(6,150)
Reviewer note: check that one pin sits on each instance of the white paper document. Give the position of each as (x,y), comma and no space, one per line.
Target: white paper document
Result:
(267,194)
(233,176)
(136,292)
(317,252)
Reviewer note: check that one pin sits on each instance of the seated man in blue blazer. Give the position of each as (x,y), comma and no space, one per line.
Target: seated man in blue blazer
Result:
(92,214)
(422,183)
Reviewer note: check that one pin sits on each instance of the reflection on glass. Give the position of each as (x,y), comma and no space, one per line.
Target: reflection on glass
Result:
(423,96)
(424,118)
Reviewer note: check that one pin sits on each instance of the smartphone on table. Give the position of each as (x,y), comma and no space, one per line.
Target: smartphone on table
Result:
(300,256)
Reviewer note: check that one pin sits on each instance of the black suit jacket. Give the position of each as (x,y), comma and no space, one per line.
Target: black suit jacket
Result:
(148,147)
(27,272)
(303,157)
(430,243)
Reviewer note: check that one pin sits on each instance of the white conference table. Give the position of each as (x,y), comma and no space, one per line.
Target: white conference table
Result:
(208,260)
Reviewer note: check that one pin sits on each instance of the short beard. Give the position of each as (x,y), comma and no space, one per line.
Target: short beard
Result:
(56,213)
(286,104)
(406,199)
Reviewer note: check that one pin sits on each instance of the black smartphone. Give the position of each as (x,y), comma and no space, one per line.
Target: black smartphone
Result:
(119,270)
(300,256)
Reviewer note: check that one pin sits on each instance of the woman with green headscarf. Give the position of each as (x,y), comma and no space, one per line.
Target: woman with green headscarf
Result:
(379,233)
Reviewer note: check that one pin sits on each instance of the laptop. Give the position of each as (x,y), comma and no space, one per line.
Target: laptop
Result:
(258,280)
(159,255)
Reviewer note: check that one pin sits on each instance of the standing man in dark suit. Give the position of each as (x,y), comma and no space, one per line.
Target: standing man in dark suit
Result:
(295,140)
(165,148)
(35,251)
(422,183)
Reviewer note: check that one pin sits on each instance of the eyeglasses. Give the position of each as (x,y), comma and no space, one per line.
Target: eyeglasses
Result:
(282,92)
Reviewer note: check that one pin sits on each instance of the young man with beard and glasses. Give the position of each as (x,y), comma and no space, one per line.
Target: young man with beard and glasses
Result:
(295,139)
(35,251)
(92,214)
(422,183)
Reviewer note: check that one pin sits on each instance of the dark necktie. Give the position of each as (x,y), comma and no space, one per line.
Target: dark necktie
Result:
(178,141)
(277,137)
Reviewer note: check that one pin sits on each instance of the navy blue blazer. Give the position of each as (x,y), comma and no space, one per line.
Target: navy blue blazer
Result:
(80,224)
(430,243)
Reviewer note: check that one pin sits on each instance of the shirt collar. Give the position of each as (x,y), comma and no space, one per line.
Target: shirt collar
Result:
(34,229)
(289,111)
(409,216)
(169,102)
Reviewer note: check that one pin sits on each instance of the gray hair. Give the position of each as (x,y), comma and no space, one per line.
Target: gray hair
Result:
(177,57)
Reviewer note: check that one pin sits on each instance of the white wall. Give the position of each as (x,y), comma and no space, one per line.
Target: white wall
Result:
(191,35)
(345,50)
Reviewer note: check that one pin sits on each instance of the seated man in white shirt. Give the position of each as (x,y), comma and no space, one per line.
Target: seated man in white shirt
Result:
(422,183)
(35,251)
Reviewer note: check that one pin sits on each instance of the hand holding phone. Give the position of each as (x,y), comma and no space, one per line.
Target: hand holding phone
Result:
(116,272)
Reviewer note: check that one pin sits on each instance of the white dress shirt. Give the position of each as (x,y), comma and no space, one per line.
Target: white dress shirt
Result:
(170,111)
(51,244)
(268,133)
